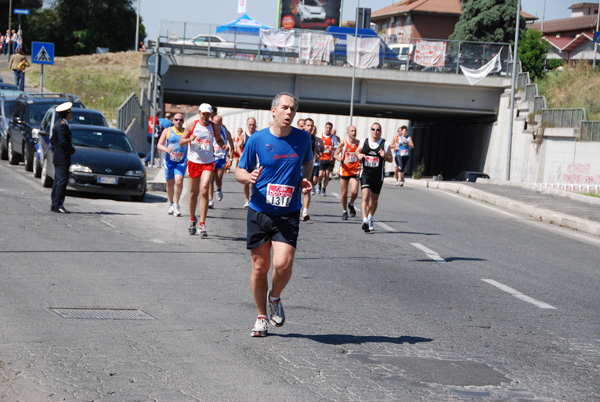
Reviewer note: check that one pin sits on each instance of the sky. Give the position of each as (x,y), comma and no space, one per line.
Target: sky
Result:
(220,12)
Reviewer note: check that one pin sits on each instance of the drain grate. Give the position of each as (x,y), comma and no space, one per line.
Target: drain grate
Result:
(102,313)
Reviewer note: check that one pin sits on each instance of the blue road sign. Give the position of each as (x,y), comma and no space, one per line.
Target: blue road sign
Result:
(21,11)
(42,53)
(597,37)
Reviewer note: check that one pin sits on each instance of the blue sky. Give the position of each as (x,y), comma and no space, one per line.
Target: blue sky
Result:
(222,11)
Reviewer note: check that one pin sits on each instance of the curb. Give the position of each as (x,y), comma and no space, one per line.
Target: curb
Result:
(541,214)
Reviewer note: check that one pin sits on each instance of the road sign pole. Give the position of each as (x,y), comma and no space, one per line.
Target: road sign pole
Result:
(42,79)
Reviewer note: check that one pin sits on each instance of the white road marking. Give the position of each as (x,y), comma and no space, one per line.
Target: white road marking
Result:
(429,252)
(107,223)
(336,195)
(386,227)
(519,295)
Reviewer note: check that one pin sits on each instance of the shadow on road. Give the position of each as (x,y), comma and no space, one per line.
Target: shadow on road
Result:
(340,339)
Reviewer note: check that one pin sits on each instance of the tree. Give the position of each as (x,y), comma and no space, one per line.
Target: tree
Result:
(532,52)
(487,21)
(81,26)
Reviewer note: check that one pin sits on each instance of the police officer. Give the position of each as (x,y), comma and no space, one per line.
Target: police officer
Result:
(63,149)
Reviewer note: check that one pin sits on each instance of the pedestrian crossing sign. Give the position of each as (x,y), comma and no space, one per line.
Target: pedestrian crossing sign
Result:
(42,53)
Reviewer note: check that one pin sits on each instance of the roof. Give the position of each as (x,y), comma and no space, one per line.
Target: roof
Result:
(586,22)
(452,7)
(568,44)
(583,5)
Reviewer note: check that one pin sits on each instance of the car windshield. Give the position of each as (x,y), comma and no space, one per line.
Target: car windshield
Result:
(89,119)
(101,139)
(313,3)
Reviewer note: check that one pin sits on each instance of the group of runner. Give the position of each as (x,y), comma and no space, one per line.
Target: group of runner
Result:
(280,168)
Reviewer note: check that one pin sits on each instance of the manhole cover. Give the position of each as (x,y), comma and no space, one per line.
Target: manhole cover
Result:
(102,313)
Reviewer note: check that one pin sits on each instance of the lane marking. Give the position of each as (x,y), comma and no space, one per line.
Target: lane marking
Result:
(107,223)
(519,295)
(336,195)
(386,227)
(429,252)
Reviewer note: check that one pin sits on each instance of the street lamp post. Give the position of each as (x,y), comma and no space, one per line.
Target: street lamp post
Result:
(596,43)
(137,26)
(354,64)
(512,93)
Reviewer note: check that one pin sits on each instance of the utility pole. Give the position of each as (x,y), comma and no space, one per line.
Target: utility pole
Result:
(512,93)
(354,64)
(137,27)
(9,22)
(596,43)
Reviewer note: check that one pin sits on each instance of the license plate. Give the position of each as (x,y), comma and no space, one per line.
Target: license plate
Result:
(107,180)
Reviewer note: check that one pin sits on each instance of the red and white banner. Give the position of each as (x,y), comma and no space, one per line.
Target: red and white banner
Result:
(277,38)
(368,51)
(241,6)
(430,54)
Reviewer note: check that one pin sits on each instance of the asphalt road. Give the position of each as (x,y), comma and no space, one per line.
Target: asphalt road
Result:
(447,300)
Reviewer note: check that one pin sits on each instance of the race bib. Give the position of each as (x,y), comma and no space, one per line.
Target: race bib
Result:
(350,157)
(327,149)
(176,156)
(203,144)
(279,195)
(371,161)
(404,152)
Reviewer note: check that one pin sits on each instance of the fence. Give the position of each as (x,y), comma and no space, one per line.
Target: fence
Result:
(590,131)
(210,41)
(563,117)
(131,109)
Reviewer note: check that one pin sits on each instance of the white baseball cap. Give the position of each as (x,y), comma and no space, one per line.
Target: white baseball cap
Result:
(205,108)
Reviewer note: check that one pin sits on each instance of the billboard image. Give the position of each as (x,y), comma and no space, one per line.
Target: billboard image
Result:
(309,14)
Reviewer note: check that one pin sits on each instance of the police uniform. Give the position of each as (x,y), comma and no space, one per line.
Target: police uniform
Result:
(63,149)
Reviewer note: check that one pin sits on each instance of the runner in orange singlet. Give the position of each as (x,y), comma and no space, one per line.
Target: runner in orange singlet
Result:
(348,172)
(330,143)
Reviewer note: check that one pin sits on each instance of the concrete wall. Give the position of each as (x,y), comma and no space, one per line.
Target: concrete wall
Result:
(557,159)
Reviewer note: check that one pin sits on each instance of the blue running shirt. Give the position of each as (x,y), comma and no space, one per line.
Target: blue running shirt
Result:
(277,190)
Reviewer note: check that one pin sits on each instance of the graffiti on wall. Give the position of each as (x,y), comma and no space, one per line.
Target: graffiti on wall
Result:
(578,173)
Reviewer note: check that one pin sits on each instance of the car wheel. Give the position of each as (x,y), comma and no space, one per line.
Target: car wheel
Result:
(13,158)
(46,180)
(3,151)
(221,55)
(37,168)
(27,159)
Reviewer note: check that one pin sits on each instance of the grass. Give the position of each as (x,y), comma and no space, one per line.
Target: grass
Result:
(591,195)
(578,86)
(102,81)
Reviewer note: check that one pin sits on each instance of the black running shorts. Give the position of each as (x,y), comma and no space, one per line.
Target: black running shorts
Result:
(374,184)
(263,227)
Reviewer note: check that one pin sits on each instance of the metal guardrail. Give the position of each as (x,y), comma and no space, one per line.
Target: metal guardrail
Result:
(129,110)
(590,131)
(531,92)
(539,103)
(563,117)
(176,38)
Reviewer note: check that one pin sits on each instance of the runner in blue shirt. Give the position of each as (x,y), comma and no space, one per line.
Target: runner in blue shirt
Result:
(278,162)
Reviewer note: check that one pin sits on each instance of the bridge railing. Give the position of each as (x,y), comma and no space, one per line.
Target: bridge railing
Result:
(208,40)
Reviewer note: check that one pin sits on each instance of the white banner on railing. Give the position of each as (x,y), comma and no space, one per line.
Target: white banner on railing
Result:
(430,54)
(368,51)
(474,76)
(277,38)
(316,48)
(241,6)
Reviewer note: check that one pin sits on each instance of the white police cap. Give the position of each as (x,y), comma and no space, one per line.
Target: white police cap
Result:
(63,107)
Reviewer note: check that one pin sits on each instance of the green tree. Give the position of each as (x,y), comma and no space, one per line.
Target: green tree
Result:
(80,26)
(487,21)
(532,52)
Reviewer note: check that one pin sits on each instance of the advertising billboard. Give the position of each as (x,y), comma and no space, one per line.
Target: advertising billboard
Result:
(309,14)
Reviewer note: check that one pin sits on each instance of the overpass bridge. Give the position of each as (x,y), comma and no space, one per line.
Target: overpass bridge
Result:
(451,121)
(327,89)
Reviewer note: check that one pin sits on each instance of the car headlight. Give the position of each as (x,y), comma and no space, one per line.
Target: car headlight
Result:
(35,133)
(137,173)
(80,168)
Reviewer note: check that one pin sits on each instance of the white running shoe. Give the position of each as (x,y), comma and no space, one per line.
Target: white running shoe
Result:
(211,204)
(219,195)
(276,314)
(261,327)
(203,232)
(371,227)
(176,210)
(314,191)
(324,192)
(305,216)
(246,204)
(171,209)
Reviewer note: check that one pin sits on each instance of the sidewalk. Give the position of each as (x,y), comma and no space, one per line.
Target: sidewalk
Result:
(562,208)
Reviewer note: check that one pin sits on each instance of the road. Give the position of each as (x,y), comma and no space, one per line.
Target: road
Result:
(447,300)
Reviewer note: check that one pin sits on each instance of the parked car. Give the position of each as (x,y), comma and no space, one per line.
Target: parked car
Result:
(6,85)
(202,44)
(87,117)
(311,10)
(27,113)
(404,51)
(7,101)
(104,162)
(470,176)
